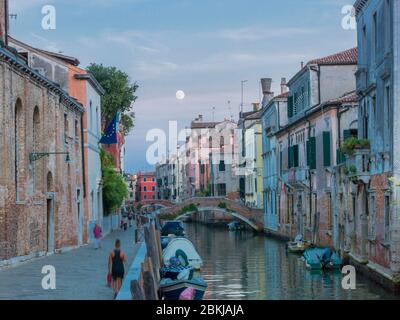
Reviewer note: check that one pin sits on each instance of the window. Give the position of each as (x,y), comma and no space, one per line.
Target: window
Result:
(145,180)
(222,166)
(65,128)
(76,130)
(145,197)
(145,189)
(19,152)
(153,179)
(35,139)
(375,37)
(153,188)
(97,120)
(327,148)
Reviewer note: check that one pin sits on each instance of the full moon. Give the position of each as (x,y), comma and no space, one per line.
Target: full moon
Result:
(180,95)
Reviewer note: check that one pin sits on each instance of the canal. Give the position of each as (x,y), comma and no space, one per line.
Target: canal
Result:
(242,265)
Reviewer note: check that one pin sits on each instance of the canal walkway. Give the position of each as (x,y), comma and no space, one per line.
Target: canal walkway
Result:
(80,274)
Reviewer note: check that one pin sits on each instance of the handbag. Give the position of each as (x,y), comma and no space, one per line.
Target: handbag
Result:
(109,279)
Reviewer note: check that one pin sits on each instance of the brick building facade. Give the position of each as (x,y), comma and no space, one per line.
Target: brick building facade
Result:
(40,192)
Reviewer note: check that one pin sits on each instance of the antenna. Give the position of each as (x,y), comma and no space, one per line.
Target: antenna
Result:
(230,109)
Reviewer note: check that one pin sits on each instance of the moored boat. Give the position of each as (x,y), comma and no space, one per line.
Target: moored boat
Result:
(184,250)
(321,258)
(172,289)
(235,226)
(298,245)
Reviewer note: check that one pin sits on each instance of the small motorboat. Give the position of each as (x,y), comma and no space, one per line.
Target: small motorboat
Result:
(173,228)
(172,289)
(184,250)
(298,245)
(174,272)
(322,258)
(235,226)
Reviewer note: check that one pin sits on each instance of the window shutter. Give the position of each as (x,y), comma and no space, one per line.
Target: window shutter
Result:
(290,106)
(296,156)
(308,152)
(313,154)
(340,157)
(327,148)
(346,134)
(291,157)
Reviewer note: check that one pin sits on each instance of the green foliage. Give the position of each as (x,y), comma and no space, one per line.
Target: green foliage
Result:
(115,190)
(352,143)
(190,208)
(222,205)
(119,96)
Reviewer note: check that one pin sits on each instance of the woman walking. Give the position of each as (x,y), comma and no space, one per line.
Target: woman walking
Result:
(116,267)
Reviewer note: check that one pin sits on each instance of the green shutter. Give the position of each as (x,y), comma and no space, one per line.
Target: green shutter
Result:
(340,157)
(312,162)
(327,148)
(296,156)
(291,157)
(290,106)
(308,152)
(346,134)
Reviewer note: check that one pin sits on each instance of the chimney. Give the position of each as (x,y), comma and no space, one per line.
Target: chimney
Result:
(302,64)
(256,106)
(4,21)
(266,89)
(200,117)
(284,87)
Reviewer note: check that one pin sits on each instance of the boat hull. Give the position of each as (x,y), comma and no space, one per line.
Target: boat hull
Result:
(173,290)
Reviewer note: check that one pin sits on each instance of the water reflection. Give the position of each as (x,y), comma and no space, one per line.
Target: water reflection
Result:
(241,265)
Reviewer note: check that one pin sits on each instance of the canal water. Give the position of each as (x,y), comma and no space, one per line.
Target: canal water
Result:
(242,265)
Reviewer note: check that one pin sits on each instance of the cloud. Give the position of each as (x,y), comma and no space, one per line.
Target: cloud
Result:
(257,33)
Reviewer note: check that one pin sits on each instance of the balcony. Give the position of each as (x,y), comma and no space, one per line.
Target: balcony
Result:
(358,165)
(297,177)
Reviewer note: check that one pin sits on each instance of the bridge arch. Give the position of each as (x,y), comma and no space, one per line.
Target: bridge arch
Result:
(251,217)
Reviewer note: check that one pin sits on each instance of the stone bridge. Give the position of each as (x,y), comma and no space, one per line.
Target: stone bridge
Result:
(251,217)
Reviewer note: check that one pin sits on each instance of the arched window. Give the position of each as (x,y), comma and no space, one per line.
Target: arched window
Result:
(19,147)
(35,141)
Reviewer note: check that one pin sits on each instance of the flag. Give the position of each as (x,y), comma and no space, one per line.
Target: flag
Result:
(110,135)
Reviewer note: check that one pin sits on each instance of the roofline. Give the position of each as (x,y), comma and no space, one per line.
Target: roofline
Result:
(21,65)
(92,80)
(68,59)
(322,107)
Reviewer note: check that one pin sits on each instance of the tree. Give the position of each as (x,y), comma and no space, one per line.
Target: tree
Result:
(119,94)
(115,190)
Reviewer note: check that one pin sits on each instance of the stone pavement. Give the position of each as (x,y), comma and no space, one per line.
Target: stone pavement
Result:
(81,274)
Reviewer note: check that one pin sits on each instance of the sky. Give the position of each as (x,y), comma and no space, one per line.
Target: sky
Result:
(203,47)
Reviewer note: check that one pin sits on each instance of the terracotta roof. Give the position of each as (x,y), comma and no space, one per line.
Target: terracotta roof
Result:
(203,125)
(254,115)
(347,98)
(349,56)
(282,95)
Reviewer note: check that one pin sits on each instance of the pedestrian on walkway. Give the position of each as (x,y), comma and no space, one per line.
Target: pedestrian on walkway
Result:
(98,234)
(116,267)
(130,219)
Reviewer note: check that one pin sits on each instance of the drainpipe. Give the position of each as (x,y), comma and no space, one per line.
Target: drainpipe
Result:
(83,159)
(309,176)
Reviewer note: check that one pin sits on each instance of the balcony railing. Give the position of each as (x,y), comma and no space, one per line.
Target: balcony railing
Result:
(358,165)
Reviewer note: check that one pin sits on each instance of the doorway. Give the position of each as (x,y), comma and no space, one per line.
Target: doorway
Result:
(50,225)
(79,217)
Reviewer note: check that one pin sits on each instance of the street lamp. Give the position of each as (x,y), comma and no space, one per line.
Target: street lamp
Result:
(35,156)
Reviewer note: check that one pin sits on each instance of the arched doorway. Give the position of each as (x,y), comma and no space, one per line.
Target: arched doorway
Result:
(50,214)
